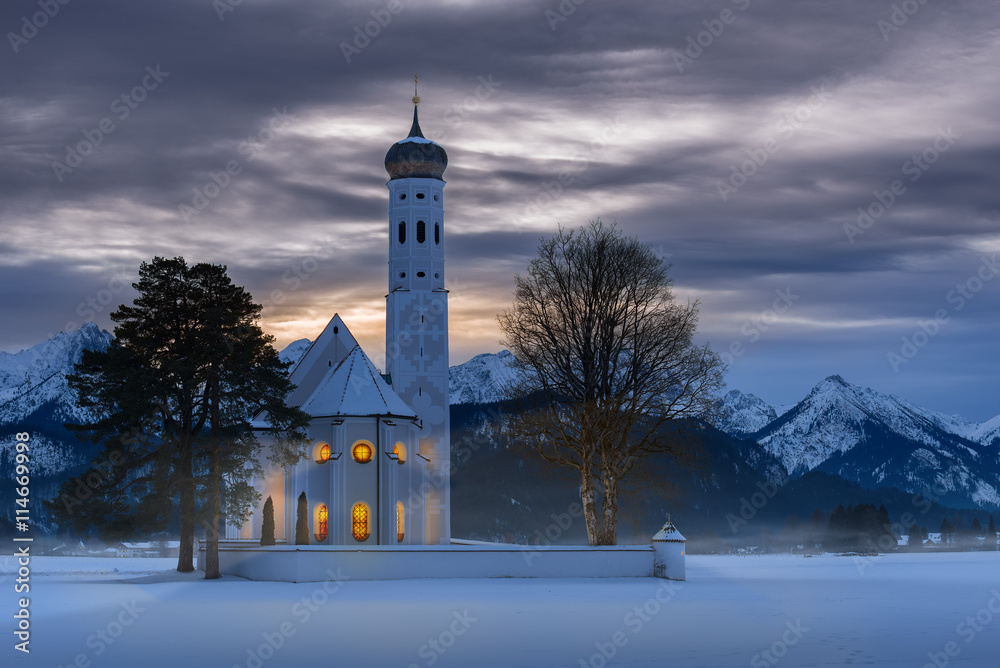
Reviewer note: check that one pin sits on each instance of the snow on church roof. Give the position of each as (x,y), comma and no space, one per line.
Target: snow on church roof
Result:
(355,388)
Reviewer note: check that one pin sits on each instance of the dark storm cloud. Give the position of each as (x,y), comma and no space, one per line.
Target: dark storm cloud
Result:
(643,109)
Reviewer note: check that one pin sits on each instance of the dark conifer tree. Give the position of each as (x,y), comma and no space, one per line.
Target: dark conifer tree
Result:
(884,523)
(817,528)
(837,529)
(947,531)
(267,525)
(917,537)
(302,521)
(172,398)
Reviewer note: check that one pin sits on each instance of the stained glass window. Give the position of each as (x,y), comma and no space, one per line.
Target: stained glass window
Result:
(362,452)
(360,525)
(400,522)
(324,454)
(322,522)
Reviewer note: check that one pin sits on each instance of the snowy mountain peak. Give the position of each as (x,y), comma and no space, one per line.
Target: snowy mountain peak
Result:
(35,379)
(742,414)
(988,432)
(878,439)
(835,384)
(294,351)
(482,379)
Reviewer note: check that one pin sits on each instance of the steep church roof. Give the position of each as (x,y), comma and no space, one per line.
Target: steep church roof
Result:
(355,388)
(327,352)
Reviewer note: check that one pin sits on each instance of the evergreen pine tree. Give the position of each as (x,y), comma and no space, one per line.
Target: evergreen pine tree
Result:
(171,400)
(917,537)
(946,531)
(976,528)
(302,521)
(884,523)
(267,527)
(817,528)
(836,529)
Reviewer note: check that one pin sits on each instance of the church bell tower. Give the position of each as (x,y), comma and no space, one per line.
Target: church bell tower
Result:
(417,310)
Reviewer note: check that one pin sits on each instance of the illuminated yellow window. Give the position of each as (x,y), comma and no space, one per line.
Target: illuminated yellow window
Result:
(360,522)
(322,522)
(400,522)
(362,452)
(323,456)
(400,452)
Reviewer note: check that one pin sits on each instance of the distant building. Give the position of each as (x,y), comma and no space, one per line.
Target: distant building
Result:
(162,548)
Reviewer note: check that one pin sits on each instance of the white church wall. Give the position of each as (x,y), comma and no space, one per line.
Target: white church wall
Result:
(314,563)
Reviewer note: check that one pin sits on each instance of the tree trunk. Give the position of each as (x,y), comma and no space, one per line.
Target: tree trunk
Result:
(185,471)
(589,506)
(212,528)
(609,523)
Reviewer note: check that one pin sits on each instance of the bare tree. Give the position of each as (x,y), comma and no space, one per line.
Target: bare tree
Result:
(607,358)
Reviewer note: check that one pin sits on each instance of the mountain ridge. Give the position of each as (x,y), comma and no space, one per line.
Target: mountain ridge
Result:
(865,436)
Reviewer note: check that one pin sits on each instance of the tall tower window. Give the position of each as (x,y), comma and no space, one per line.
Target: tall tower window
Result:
(437,233)
(400,522)
(421,232)
(322,522)
(361,526)
(402,232)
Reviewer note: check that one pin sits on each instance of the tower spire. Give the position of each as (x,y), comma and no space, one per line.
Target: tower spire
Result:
(415,128)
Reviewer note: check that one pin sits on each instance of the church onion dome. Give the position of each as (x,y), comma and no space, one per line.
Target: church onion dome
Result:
(415,156)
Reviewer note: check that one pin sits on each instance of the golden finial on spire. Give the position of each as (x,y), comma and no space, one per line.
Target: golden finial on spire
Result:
(416,98)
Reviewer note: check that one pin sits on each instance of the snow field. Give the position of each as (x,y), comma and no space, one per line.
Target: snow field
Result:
(939,609)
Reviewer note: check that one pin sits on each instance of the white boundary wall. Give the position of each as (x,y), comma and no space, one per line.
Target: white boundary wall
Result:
(316,563)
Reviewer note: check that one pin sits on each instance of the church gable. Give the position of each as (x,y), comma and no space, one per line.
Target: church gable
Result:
(329,349)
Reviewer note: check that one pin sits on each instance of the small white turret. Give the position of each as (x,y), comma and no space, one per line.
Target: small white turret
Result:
(668,553)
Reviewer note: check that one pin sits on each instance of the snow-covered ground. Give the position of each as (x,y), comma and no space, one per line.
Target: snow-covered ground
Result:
(896,610)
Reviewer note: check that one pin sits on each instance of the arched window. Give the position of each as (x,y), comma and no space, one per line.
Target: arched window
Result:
(323,454)
(362,452)
(361,526)
(402,232)
(322,522)
(437,233)
(400,451)
(400,522)
(421,232)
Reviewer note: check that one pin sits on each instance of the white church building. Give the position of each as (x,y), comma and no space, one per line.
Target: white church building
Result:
(378,467)
(377,476)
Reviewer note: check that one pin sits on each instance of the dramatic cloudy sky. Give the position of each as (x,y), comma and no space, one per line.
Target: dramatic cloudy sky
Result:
(834,101)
